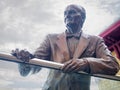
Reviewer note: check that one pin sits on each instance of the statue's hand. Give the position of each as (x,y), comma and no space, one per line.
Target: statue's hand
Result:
(74,65)
(23,55)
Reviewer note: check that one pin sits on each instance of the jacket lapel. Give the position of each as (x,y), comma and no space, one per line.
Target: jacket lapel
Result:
(82,45)
(62,44)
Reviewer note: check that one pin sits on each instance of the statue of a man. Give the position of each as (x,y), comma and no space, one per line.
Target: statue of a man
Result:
(76,50)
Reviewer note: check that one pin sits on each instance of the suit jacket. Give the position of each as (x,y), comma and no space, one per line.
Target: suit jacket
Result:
(90,48)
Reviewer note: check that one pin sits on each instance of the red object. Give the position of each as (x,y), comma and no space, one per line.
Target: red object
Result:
(111,37)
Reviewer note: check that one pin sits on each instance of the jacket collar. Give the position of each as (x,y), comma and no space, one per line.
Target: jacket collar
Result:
(70,35)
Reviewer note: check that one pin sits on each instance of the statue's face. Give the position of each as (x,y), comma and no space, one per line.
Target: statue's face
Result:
(72,17)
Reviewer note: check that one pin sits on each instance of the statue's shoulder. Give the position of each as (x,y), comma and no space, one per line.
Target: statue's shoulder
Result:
(86,35)
(55,35)
(93,38)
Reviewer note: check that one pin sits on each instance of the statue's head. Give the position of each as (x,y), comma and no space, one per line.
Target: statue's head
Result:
(74,16)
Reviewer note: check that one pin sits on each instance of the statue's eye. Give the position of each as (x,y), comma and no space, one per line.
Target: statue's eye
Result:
(72,12)
(69,12)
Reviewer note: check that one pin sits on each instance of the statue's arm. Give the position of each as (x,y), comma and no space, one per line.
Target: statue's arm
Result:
(43,52)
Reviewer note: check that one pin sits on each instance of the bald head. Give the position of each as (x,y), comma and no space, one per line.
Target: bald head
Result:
(80,9)
(74,17)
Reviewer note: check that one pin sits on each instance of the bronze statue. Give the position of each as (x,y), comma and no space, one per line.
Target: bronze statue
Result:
(78,52)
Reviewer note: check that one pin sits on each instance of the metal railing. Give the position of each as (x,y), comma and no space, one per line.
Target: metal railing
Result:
(52,65)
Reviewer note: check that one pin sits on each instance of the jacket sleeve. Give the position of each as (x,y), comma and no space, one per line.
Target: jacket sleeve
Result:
(43,52)
(104,62)
(25,69)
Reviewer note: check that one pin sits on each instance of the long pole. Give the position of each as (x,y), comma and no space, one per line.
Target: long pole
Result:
(53,65)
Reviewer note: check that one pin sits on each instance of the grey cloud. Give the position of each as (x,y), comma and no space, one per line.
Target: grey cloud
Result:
(35,10)
(18,19)
(13,3)
(111,6)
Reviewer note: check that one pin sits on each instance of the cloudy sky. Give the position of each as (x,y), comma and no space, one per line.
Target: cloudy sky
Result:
(24,24)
